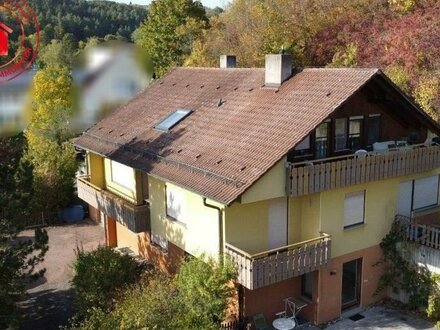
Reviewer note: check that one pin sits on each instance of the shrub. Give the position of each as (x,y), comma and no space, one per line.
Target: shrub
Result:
(99,275)
(195,298)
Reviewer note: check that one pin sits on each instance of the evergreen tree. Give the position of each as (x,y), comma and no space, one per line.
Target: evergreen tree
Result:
(18,257)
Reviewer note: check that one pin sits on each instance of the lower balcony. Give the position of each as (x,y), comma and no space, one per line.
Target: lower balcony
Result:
(134,217)
(273,266)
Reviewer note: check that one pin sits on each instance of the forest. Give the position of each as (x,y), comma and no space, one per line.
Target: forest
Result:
(402,37)
(85,19)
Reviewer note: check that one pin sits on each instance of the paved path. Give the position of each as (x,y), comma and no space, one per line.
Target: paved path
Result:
(50,301)
(379,318)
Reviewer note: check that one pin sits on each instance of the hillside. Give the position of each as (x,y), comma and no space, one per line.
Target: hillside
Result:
(85,19)
(400,36)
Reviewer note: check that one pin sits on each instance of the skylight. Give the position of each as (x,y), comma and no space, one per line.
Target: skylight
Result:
(172,119)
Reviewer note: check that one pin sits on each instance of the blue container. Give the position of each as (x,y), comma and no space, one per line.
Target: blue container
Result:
(72,214)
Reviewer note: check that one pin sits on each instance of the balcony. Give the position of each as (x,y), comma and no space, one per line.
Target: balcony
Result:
(273,266)
(422,227)
(134,217)
(338,172)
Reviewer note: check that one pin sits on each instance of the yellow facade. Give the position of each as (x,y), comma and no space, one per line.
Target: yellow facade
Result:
(246,222)
(380,209)
(271,185)
(247,225)
(96,169)
(198,233)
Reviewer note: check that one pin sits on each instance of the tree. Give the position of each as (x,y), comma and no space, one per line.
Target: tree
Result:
(18,257)
(59,52)
(98,276)
(170,30)
(204,288)
(49,151)
(195,298)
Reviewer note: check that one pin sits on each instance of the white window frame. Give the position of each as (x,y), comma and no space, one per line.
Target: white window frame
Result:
(123,171)
(354,217)
(414,203)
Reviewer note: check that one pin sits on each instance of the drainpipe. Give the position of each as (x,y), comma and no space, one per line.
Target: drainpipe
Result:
(220,226)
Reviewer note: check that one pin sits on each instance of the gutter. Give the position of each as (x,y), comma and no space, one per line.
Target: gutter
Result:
(220,226)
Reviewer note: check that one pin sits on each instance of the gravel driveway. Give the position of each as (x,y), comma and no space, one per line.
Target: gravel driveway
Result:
(50,301)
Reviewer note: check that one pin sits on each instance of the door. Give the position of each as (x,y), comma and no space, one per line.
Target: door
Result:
(277,222)
(351,283)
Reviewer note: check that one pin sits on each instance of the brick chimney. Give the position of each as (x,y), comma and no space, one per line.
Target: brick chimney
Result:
(228,61)
(278,69)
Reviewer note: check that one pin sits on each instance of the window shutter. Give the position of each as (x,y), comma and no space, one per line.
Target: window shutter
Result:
(425,192)
(405,198)
(354,208)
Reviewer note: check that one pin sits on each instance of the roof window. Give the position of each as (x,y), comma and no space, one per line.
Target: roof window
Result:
(172,119)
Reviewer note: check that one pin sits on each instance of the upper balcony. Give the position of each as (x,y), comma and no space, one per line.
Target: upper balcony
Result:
(361,167)
(273,266)
(134,217)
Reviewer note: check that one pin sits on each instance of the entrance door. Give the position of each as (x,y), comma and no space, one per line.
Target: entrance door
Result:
(351,283)
(277,222)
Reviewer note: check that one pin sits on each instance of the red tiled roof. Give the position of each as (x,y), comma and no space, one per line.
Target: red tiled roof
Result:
(219,152)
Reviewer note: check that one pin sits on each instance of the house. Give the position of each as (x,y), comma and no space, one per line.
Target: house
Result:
(13,95)
(110,77)
(295,174)
(4,39)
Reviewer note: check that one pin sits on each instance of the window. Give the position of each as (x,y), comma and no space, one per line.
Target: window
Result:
(175,203)
(172,119)
(373,128)
(354,209)
(304,144)
(418,194)
(340,134)
(122,174)
(425,192)
(321,141)
(354,133)
(307,285)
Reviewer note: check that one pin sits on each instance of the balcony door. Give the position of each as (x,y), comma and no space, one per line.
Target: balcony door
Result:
(277,223)
(351,283)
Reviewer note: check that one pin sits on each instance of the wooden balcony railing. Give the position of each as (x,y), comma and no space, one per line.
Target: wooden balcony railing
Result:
(273,266)
(424,234)
(134,217)
(338,172)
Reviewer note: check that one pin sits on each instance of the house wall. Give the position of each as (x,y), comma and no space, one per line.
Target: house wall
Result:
(392,125)
(380,208)
(330,282)
(252,220)
(96,169)
(198,234)
(270,185)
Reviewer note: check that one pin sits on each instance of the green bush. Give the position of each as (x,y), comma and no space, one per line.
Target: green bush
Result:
(195,298)
(99,275)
